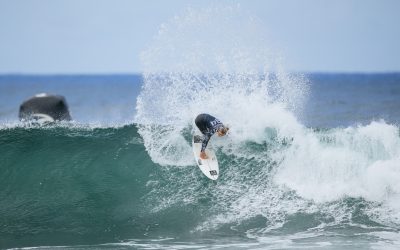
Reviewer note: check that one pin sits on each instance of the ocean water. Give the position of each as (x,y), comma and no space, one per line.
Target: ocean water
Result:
(329,180)
(312,160)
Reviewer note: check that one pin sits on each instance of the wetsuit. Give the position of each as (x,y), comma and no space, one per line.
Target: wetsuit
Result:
(208,125)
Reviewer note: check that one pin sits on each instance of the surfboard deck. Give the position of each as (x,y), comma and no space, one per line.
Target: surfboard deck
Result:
(209,166)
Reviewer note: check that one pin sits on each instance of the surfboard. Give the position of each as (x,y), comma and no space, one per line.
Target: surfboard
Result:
(209,166)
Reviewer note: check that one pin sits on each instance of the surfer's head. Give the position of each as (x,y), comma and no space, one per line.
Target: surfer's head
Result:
(223,130)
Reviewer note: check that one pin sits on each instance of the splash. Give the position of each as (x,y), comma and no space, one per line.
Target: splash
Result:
(215,61)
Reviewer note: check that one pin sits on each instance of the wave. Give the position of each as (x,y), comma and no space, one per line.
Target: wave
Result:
(60,183)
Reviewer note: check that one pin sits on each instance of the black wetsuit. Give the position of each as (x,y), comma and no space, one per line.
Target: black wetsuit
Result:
(208,125)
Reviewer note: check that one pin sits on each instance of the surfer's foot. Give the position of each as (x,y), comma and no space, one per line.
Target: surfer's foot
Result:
(203,155)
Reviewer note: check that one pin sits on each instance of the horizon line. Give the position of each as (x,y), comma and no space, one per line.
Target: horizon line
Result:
(141,73)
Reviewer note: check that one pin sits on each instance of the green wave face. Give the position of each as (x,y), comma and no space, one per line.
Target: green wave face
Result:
(69,185)
(61,184)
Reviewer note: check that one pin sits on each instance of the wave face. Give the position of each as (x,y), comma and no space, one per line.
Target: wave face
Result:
(63,185)
(69,185)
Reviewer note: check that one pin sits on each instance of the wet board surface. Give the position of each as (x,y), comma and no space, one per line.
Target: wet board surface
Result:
(209,166)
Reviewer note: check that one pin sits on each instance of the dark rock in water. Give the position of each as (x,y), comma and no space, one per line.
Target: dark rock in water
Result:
(45,108)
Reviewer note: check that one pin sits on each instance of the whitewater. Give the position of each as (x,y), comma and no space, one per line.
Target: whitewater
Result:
(283,184)
(275,167)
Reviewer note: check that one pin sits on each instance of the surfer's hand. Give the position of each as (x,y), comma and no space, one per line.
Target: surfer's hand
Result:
(203,155)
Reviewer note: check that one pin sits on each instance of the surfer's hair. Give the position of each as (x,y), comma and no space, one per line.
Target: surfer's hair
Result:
(223,129)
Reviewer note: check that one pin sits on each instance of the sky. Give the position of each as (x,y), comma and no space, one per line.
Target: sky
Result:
(107,36)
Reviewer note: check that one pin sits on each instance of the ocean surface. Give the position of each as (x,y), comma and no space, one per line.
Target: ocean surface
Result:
(121,175)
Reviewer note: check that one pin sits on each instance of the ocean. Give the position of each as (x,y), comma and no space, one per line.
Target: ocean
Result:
(121,175)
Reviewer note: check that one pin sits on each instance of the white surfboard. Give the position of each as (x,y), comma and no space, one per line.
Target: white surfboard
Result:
(209,166)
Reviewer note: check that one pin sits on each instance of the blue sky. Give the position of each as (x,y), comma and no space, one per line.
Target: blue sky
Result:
(99,36)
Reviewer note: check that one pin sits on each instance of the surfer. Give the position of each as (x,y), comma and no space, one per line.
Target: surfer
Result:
(209,125)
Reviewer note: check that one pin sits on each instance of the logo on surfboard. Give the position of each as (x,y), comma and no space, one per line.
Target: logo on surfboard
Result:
(213,172)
